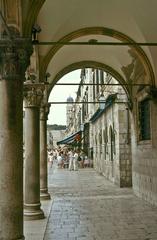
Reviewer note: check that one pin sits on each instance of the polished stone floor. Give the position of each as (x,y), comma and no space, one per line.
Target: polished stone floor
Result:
(86,206)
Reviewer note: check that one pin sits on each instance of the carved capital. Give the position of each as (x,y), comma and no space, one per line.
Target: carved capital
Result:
(44,111)
(14,58)
(33,94)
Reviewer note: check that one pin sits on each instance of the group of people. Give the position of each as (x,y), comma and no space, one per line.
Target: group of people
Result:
(68,158)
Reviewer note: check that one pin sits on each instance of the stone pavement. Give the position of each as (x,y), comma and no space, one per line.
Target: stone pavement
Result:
(88,207)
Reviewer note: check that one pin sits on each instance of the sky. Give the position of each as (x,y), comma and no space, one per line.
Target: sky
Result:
(60,93)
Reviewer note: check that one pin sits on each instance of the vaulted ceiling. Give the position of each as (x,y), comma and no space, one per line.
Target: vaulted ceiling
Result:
(104,21)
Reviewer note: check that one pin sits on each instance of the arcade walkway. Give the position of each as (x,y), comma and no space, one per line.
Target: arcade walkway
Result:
(85,206)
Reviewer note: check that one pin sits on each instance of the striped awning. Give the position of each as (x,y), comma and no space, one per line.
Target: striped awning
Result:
(70,139)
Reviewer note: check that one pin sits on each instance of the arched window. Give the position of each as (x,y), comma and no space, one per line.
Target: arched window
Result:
(100,141)
(96,143)
(111,143)
(105,142)
(144,120)
(114,141)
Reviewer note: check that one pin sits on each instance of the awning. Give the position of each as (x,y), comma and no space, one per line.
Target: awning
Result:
(70,139)
(96,115)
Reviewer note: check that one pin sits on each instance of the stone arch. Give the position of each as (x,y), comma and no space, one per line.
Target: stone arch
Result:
(99,31)
(33,8)
(92,64)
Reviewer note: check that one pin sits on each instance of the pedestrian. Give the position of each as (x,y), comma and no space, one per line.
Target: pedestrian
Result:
(59,160)
(51,159)
(76,160)
(54,155)
(70,156)
(81,159)
(86,162)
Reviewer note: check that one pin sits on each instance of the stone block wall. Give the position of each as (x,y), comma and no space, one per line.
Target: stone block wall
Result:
(125,158)
(144,161)
(118,170)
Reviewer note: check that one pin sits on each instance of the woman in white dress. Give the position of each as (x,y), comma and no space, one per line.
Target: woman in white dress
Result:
(76,161)
(71,158)
(59,160)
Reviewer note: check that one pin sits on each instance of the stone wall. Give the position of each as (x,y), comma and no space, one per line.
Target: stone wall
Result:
(125,159)
(144,157)
(116,166)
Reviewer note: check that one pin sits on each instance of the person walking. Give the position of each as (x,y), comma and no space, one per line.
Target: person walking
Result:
(59,160)
(51,159)
(76,160)
(71,163)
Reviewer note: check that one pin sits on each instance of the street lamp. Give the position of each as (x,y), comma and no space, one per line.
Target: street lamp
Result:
(36,29)
(47,76)
(82,127)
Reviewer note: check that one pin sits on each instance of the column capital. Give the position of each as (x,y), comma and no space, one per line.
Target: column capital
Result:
(47,108)
(14,58)
(33,94)
(44,111)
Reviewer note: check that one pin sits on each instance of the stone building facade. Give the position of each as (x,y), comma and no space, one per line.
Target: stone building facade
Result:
(106,121)
(53,136)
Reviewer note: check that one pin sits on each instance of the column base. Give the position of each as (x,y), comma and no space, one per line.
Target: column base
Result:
(44,195)
(21,238)
(33,212)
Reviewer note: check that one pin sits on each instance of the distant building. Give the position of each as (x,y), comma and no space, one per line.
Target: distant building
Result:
(103,116)
(54,134)
(69,112)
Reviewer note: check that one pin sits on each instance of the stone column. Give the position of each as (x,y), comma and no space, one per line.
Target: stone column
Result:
(32,97)
(14,59)
(44,195)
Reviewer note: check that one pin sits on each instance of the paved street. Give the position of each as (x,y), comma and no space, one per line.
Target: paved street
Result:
(88,207)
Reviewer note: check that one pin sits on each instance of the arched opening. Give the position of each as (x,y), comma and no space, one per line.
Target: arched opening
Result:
(135,52)
(105,134)
(112,143)
(98,104)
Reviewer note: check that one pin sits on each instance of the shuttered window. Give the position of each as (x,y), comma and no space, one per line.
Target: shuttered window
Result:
(144,119)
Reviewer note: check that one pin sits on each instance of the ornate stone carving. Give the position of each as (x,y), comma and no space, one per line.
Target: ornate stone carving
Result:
(135,70)
(44,111)
(128,70)
(33,94)
(14,58)
(47,108)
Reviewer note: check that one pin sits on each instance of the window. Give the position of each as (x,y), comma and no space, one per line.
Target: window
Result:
(101,77)
(144,120)
(96,144)
(111,144)
(100,141)
(105,142)
(97,81)
(94,87)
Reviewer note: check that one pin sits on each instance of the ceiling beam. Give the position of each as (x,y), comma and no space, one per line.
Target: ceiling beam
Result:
(84,102)
(153,44)
(104,84)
